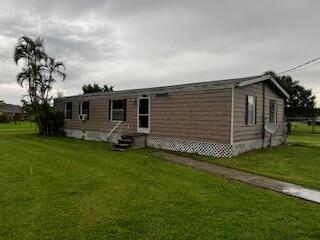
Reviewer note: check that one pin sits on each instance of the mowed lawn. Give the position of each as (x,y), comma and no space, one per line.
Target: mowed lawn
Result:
(61,188)
(303,127)
(18,127)
(296,162)
(305,140)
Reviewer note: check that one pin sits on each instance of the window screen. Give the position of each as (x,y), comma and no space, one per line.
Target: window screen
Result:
(118,110)
(68,113)
(273,111)
(251,110)
(84,107)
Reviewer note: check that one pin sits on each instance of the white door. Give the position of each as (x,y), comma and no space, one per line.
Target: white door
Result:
(143,115)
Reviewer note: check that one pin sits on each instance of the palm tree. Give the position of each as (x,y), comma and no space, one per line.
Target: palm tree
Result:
(31,53)
(53,70)
(39,72)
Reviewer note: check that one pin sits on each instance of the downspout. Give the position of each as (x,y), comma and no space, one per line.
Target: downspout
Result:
(263,109)
(232,117)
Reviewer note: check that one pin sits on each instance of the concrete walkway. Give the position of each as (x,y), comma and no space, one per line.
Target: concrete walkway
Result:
(252,179)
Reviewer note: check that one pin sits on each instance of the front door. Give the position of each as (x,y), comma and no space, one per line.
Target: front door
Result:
(143,115)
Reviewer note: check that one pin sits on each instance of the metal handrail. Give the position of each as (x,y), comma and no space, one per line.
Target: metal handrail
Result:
(116,136)
(115,127)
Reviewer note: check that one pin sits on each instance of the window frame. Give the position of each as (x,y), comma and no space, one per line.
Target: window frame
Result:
(275,112)
(139,129)
(254,112)
(81,108)
(65,111)
(124,109)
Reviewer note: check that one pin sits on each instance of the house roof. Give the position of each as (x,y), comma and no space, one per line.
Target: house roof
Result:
(9,108)
(225,83)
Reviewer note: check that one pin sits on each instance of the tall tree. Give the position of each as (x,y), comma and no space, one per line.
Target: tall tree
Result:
(96,88)
(53,70)
(38,73)
(31,53)
(301,101)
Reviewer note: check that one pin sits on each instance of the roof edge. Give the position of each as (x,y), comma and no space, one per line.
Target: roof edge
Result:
(218,84)
(264,78)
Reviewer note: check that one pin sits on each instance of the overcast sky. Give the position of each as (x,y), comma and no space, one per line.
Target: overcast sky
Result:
(143,43)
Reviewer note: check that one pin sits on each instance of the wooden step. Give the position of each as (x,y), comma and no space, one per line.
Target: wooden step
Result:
(118,149)
(125,141)
(131,136)
(127,137)
(121,145)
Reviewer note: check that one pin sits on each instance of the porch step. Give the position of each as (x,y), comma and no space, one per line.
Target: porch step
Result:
(129,141)
(127,137)
(118,149)
(121,145)
(131,136)
(125,141)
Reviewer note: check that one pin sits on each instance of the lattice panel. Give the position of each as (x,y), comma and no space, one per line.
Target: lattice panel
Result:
(190,146)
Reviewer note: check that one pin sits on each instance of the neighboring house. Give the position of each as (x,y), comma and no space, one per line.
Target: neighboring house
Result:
(15,111)
(218,118)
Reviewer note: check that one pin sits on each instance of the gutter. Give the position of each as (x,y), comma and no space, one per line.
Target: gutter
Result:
(232,116)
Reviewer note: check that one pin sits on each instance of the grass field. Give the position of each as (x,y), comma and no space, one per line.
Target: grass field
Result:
(18,127)
(298,162)
(61,188)
(303,127)
(305,140)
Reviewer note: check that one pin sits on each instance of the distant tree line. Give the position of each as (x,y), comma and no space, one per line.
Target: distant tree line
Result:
(302,102)
(96,88)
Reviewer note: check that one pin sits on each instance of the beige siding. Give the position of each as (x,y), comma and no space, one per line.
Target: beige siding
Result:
(270,94)
(197,115)
(99,115)
(200,115)
(243,132)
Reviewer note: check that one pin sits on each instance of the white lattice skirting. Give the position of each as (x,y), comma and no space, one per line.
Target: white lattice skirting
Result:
(190,146)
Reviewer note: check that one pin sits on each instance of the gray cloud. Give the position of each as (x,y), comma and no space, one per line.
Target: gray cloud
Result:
(147,43)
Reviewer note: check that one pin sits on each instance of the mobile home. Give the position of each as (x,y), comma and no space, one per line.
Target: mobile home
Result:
(218,118)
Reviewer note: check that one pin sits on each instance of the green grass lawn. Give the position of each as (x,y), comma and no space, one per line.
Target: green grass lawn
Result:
(305,140)
(61,188)
(303,127)
(297,162)
(18,127)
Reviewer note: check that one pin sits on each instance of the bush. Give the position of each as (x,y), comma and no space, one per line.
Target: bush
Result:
(51,122)
(56,121)
(5,118)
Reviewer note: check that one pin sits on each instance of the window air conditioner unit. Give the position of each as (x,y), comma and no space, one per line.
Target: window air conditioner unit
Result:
(83,117)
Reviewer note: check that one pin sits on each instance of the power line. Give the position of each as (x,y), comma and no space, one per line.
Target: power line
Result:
(299,66)
(306,66)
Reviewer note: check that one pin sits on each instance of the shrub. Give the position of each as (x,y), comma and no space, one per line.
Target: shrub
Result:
(51,121)
(5,118)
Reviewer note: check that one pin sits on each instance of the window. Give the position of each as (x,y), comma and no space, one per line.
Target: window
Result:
(273,111)
(251,110)
(143,113)
(118,110)
(68,110)
(84,108)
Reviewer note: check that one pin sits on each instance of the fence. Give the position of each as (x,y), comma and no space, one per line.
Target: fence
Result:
(303,125)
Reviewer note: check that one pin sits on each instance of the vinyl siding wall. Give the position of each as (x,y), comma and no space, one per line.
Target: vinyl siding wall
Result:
(98,115)
(197,115)
(243,132)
